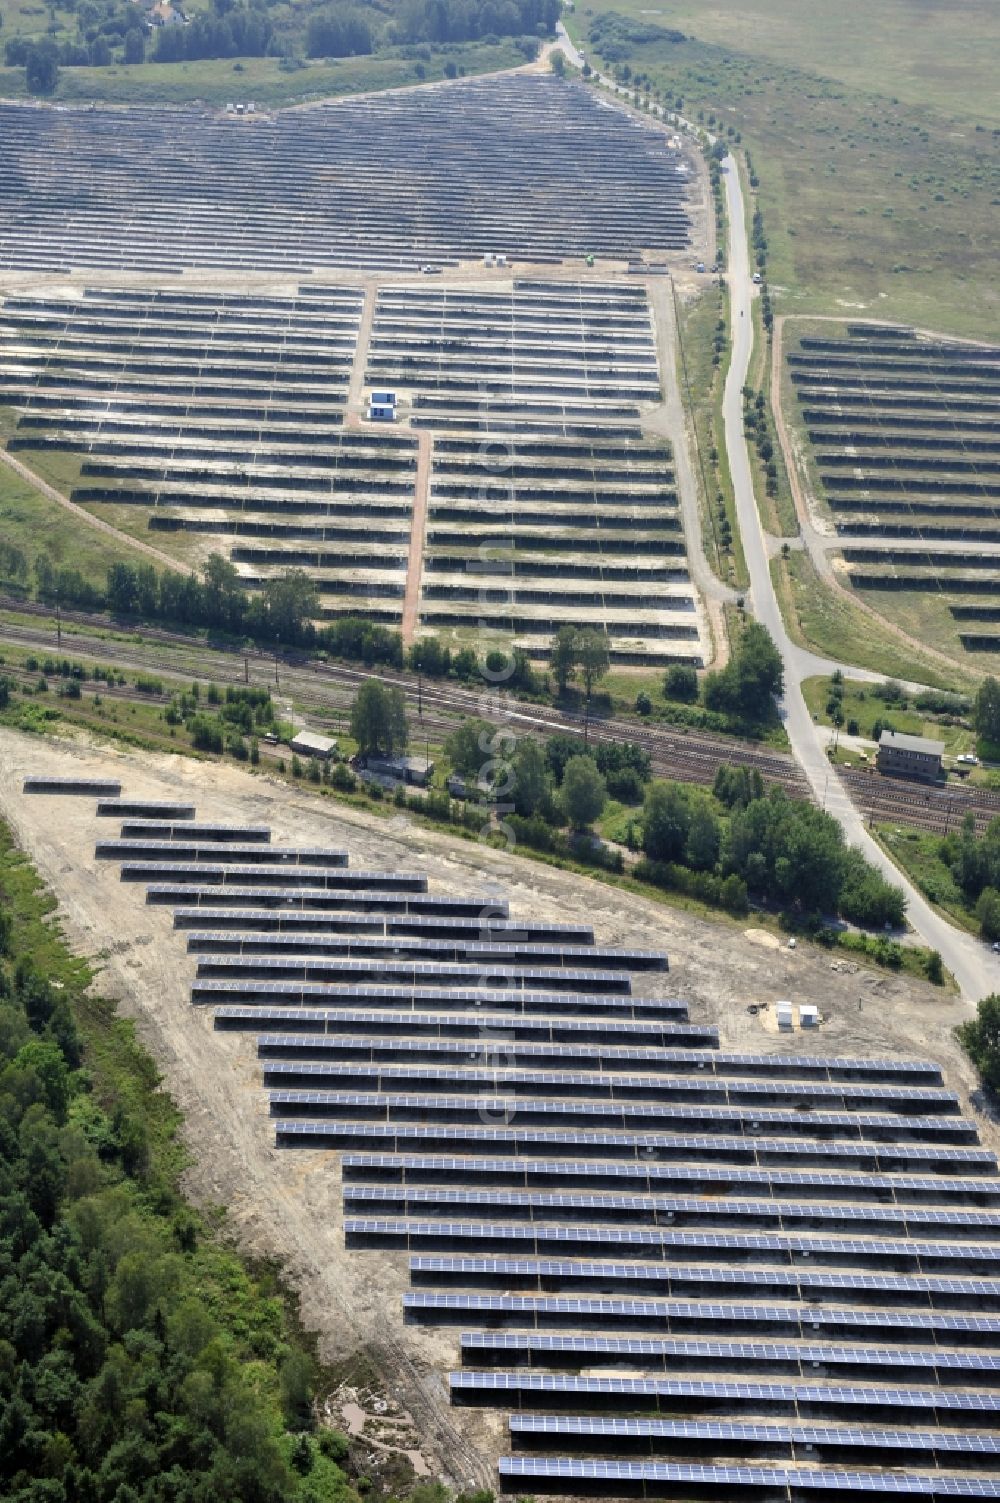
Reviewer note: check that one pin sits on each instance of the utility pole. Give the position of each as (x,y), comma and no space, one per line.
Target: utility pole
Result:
(58,624)
(246,669)
(276,684)
(420,695)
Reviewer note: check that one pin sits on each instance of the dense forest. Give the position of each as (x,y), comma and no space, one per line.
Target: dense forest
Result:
(102,32)
(139,1360)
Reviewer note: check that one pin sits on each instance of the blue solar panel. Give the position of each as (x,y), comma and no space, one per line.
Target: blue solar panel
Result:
(653,1473)
(846,1249)
(612,1207)
(308,965)
(737,1390)
(719,1433)
(740,1092)
(735,1180)
(304,898)
(983,1366)
(575,956)
(640,1145)
(533,1310)
(483,1000)
(913,1286)
(304,922)
(751,1119)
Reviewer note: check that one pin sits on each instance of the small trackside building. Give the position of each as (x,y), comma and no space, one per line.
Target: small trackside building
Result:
(910,756)
(310,744)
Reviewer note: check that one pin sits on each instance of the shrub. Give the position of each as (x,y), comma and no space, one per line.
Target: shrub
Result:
(980,1038)
(681,682)
(343,779)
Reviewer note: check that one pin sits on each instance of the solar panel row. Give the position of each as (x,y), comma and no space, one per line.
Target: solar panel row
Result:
(427,1169)
(541,1312)
(661,1209)
(799,1482)
(799,1283)
(632,1145)
(581,1085)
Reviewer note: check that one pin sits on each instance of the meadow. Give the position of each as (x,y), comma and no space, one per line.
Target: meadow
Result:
(873,141)
(268,81)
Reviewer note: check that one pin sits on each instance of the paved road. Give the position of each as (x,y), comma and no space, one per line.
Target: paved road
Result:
(975,968)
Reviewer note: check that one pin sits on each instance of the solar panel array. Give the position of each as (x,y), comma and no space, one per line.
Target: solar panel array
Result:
(687,1272)
(568,504)
(382,181)
(904,430)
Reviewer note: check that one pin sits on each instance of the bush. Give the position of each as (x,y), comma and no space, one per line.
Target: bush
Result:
(681,683)
(988,914)
(980,1038)
(625,785)
(343,779)
(582,793)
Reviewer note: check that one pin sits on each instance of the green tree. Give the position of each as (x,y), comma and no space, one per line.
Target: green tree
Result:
(223,593)
(593,651)
(666,820)
(135,46)
(290,602)
(681,682)
(557,63)
(378,720)
(981,1039)
(295,1376)
(986,710)
(530,786)
(41,70)
(753,674)
(583,792)
(48,1062)
(470,747)
(704,839)
(563,658)
(988,913)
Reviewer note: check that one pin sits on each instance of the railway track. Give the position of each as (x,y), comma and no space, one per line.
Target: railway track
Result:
(325,690)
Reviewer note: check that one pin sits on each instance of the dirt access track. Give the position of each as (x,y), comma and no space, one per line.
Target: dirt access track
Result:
(286,1204)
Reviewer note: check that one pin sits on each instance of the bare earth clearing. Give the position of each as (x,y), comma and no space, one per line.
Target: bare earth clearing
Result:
(287,1205)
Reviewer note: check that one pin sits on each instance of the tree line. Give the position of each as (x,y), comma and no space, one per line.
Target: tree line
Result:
(115,31)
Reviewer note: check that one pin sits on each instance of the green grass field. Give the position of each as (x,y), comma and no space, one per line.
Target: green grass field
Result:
(860,704)
(34,524)
(870,129)
(918,854)
(819,618)
(214,81)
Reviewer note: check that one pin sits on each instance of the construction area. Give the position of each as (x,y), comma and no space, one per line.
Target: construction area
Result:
(901,452)
(619,1220)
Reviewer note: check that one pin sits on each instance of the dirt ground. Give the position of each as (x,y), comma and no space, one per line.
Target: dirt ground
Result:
(287,1204)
